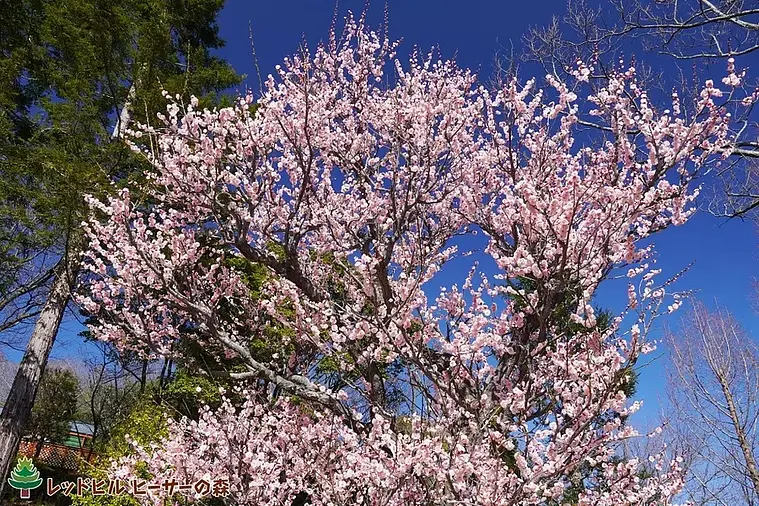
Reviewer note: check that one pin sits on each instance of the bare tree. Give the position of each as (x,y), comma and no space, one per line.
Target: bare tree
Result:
(714,407)
(110,389)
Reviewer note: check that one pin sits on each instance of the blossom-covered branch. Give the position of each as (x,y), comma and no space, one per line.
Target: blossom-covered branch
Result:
(352,181)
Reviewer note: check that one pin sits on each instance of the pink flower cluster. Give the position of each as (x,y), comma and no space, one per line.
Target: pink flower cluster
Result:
(352,181)
(273,452)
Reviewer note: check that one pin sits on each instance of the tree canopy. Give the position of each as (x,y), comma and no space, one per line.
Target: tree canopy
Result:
(348,182)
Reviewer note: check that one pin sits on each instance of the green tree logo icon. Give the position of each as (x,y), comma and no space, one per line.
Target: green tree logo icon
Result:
(25,477)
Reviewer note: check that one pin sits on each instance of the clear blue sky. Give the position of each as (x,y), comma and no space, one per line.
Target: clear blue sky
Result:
(724,253)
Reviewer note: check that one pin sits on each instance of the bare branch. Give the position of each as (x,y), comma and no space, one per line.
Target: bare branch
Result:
(714,393)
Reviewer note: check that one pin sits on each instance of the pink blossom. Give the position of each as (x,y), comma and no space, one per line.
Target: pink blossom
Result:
(360,172)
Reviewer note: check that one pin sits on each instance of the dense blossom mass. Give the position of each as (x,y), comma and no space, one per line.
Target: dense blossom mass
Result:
(353,181)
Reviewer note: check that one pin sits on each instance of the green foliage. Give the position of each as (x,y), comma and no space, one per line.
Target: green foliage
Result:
(68,69)
(146,424)
(54,406)
(105,406)
(252,275)
(271,341)
(186,393)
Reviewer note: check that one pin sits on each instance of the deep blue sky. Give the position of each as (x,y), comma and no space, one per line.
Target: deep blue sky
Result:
(724,253)
(472,34)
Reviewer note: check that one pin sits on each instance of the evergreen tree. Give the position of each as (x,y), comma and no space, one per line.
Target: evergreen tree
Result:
(75,74)
(54,407)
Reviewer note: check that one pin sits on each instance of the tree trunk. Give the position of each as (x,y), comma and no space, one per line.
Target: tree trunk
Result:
(125,116)
(20,400)
(95,435)
(143,376)
(38,447)
(743,439)
(165,373)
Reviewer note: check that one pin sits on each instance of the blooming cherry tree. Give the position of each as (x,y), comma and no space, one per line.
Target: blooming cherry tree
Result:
(354,180)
